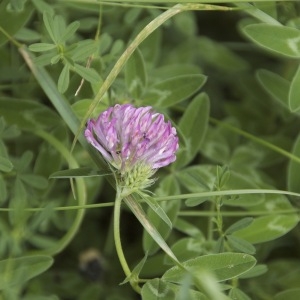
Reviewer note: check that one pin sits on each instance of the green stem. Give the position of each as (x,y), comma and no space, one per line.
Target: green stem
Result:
(219,216)
(226,192)
(117,237)
(210,225)
(236,214)
(186,213)
(15,42)
(185,196)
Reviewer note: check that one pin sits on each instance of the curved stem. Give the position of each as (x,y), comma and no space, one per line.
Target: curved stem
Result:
(118,244)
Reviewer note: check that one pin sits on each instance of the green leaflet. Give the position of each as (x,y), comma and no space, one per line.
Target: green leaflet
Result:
(224,266)
(16,271)
(277,39)
(173,90)
(268,228)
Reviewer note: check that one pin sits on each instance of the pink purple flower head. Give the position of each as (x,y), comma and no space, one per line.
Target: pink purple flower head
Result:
(130,137)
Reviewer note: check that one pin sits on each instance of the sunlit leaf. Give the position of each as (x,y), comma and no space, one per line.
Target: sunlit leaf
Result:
(277,39)
(44,59)
(41,47)
(156,289)
(64,79)
(69,32)
(187,248)
(58,28)
(87,73)
(268,228)
(174,90)
(83,50)
(198,178)
(255,271)
(188,228)
(80,108)
(240,245)
(240,224)
(48,22)
(224,265)
(195,116)
(275,85)
(55,59)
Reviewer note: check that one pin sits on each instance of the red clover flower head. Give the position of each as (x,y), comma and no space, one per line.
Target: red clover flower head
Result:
(135,141)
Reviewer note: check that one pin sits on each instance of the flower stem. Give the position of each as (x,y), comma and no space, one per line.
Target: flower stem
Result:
(118,244)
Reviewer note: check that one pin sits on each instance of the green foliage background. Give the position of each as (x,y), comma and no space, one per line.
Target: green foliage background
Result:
(226,74)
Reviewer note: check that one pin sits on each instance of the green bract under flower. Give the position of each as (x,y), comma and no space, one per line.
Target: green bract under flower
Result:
(135,141)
